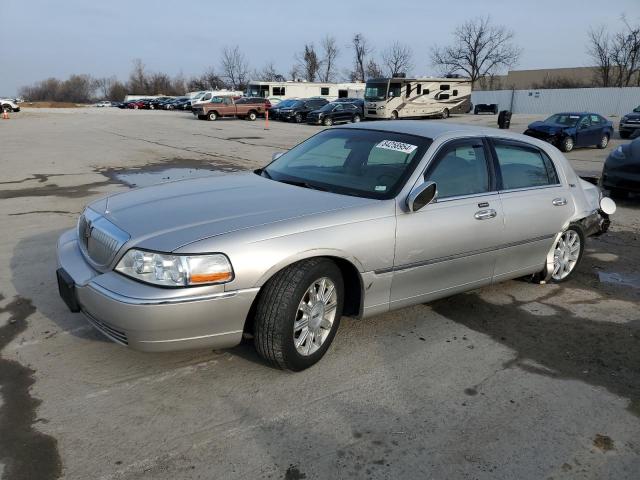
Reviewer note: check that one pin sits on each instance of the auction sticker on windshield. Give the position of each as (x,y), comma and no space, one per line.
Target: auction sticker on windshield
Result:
(396,146)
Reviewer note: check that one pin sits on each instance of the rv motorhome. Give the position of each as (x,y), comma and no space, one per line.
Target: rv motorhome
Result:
(282,90)
(416,97)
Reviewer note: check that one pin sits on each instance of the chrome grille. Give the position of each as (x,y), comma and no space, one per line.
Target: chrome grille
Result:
(99,238)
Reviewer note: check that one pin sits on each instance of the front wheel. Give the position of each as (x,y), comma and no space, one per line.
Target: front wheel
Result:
(298,118)
(394,115)
(567,144)
(212,116)
(327,122)
(298,314)
(445,113)
(356,118)
(567,253)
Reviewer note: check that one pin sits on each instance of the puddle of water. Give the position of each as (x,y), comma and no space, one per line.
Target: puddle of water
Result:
(146,178)
(630,280)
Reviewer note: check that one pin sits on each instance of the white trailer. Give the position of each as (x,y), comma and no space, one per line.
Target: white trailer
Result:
(206,95)
(290,89)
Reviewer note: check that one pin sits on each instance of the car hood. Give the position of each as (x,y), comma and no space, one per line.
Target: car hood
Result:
(633,116)
(168,216)
(547,127)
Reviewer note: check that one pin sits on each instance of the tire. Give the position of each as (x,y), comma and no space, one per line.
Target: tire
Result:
(604,141)
(625,134)
(566,256)
(298,118)
(566,145)
(445,113)
(6,108)
(202,117)
(356,119)
(252,116)
(394,115)
(475,111)
(136,107)
(278,312)
(327,122)
(212,116)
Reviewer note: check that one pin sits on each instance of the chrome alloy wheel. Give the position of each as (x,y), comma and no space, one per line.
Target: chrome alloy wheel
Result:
(315,316)
(566,254)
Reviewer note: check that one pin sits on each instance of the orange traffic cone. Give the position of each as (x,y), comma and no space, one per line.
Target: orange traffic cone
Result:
(5,115)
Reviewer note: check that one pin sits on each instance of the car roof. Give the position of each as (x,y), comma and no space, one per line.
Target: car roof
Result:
(432,129)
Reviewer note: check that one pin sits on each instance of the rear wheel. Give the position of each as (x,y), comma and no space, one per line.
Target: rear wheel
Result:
(252,116)
(212,116)
(356,118)
(475,111)
(445,113)
(567,253)
(604,141)
(567,144)
(298,314)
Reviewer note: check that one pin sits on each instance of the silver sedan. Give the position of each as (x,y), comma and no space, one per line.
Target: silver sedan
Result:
(355,221)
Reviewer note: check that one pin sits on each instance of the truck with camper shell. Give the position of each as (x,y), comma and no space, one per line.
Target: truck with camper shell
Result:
(399,97)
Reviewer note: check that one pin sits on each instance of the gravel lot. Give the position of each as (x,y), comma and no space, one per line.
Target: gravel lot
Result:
(511,381)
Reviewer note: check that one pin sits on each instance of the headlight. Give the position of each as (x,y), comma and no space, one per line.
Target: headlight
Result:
(624,119)
(175,270)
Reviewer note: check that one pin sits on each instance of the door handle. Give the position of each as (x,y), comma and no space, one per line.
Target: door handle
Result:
(558,202)
(485,214)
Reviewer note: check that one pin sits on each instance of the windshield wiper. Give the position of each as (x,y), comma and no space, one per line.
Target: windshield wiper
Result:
(298,183)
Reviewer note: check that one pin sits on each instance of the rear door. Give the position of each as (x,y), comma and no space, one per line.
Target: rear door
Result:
(451,244)
(536,206)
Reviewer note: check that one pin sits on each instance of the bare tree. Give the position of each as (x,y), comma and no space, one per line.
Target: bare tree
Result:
(361,50)
(599,50)
(104,85)
(397,58)
(117,91)
(235,67)
(138,81)
(308,62)
(625,53)
(479,49)
(330,52)
(373,70)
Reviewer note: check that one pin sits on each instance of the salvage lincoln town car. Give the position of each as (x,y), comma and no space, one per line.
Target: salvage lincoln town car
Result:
(354,221)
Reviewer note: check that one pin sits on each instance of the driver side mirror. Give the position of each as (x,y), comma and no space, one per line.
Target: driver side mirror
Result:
(422,195)
(276,155)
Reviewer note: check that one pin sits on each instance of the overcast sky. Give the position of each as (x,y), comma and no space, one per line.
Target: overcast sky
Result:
(44,38)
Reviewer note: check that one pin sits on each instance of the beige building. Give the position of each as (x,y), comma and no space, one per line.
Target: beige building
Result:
(574,77)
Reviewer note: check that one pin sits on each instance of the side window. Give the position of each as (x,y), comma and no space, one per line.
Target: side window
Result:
(394,89)
(207,97)
(443,96)
(444,87)
(426,91)
(584,122)
(460,169)
(324,90)
(595,120)
(524,167)
(419,89)
(408,89)
(279,91)
(454,93)
(338,108)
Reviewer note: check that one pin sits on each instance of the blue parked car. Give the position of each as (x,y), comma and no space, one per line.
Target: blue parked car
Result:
(568,130)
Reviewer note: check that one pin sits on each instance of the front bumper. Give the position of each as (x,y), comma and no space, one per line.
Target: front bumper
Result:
(596,224)
(629,127)
(149,318)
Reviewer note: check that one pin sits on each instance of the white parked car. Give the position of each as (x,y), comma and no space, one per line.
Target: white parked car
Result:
(104,103)
(9,105)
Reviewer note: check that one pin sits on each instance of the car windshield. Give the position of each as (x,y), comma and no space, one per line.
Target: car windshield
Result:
(375,91)
(297,103)
(286,103)
(328,107)
(637,109)
(365,163)
(565,119)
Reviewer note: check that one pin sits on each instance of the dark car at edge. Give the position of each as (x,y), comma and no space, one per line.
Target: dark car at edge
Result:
(335,112)
(568,130)
(299,110)
(621,171)
(630,124)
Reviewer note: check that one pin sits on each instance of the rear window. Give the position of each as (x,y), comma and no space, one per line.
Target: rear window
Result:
(522,166)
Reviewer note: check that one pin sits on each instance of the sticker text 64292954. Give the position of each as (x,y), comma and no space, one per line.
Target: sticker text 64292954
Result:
(396,146)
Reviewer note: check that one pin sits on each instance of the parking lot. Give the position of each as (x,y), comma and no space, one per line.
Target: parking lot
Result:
(515,380)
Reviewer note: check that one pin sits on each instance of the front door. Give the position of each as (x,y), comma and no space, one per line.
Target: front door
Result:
(450,245)
(587,134)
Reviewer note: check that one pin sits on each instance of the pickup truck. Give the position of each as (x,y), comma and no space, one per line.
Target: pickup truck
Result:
(227,107)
